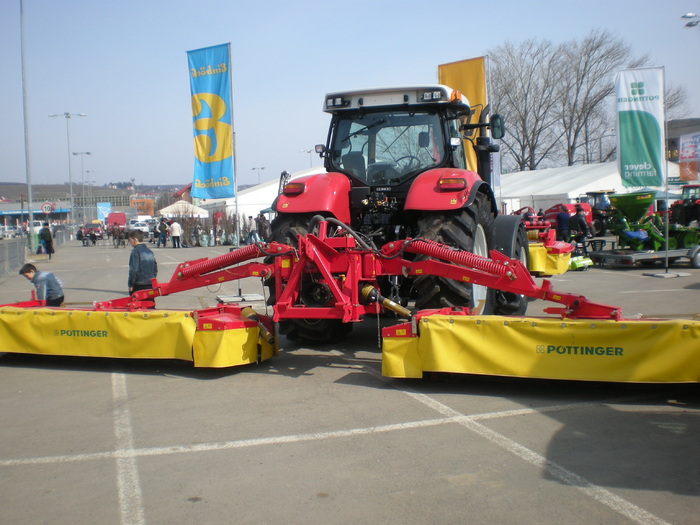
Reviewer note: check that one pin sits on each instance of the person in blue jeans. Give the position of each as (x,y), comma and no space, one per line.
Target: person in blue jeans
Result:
(162,233)
(48,287)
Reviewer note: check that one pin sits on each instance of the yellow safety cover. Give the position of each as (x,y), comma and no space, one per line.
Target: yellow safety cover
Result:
(544,263)
(151,334)
(657,351)
(224,348)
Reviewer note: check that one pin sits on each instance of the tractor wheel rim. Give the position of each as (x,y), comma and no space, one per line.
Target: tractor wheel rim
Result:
(480,293)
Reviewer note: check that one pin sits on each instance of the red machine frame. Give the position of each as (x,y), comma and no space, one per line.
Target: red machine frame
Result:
(348,275)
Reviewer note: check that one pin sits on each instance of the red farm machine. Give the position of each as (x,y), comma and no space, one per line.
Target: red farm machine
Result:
(399,225)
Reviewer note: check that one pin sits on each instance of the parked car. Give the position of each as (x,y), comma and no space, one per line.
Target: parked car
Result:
(140,225)
(89,229)
(9,231)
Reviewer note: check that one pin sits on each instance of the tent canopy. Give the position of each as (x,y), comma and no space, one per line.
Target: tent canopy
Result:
(183,209)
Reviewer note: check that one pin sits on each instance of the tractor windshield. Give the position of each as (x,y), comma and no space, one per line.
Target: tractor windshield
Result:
(387,148)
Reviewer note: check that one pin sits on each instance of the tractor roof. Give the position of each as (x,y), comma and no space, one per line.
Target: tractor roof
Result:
(396,97)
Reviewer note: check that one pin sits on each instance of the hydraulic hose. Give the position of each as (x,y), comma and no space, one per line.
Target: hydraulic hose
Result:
(468,259)
(222,261)
(332,220)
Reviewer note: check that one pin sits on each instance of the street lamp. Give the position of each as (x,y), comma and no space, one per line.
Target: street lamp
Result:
(89,192)
(258,170)
(309,151)
(68,116)
(82,173)
(693,19)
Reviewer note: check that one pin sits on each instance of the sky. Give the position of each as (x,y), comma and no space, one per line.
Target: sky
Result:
(124,65)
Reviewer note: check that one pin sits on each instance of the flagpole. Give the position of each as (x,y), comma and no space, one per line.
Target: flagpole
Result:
(668,211)
(233,149)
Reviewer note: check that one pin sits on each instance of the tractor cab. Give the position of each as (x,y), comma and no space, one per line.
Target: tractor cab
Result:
(384,138)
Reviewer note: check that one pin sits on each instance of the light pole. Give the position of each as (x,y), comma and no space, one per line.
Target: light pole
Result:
(258,170)
(68,116)
(89,188)
(309,151)
(82,174)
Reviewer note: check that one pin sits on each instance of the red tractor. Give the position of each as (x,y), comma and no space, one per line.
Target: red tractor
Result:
(687,209)
(397,169)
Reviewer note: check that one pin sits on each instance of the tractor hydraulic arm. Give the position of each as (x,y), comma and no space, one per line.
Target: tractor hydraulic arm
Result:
(194,274)
(498,272)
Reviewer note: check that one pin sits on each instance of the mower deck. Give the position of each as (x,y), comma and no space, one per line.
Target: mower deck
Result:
(215,337)
(648,351)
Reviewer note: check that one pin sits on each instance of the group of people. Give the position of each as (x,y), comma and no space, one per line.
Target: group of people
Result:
(143,268)
(165,229)
(258,229)
(573,226)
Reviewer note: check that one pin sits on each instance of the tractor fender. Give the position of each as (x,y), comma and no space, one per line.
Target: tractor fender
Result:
(325,193)
(426,193)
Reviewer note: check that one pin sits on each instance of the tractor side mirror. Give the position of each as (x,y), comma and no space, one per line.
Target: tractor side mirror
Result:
(498,127)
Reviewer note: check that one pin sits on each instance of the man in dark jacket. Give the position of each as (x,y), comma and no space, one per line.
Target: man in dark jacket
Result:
(142,263)
(563,218)
(578,227)
(46,239)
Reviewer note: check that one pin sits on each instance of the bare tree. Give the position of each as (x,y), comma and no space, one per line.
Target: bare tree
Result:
(590,67)
(675,102)
(557,101)
(523,86)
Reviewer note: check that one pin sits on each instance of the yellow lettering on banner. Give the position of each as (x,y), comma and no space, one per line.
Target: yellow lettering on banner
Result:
(222,130)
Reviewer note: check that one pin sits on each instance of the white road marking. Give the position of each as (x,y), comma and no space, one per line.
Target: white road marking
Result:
(129,486)
(601,495)
(131,499)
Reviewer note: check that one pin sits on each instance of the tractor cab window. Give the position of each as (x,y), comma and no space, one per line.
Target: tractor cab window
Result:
(387,148)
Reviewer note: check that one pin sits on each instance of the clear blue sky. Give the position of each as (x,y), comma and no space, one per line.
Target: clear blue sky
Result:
(124,64)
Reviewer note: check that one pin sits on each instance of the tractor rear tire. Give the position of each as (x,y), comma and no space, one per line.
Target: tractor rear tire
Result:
(285,228)
(470,229)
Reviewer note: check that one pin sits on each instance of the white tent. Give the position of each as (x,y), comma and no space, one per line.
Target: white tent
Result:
(183,209)
(255,199)
(547,187)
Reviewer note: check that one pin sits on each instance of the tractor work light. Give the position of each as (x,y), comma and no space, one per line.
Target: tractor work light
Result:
(336,102)
(293,188)
(432,96)
(452,184)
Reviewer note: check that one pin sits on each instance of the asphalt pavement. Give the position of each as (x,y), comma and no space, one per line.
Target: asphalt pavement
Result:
(317,435)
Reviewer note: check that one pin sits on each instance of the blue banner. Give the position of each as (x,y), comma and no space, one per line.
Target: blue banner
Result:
(212,121)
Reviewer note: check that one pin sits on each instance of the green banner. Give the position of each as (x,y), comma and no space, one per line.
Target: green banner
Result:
(640,127)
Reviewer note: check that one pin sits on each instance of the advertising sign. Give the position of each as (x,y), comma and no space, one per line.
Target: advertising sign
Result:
(212,121)
(639,96)
(689,155)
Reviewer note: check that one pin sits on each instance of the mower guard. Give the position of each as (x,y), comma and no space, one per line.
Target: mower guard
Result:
(631,351)
(216,337)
